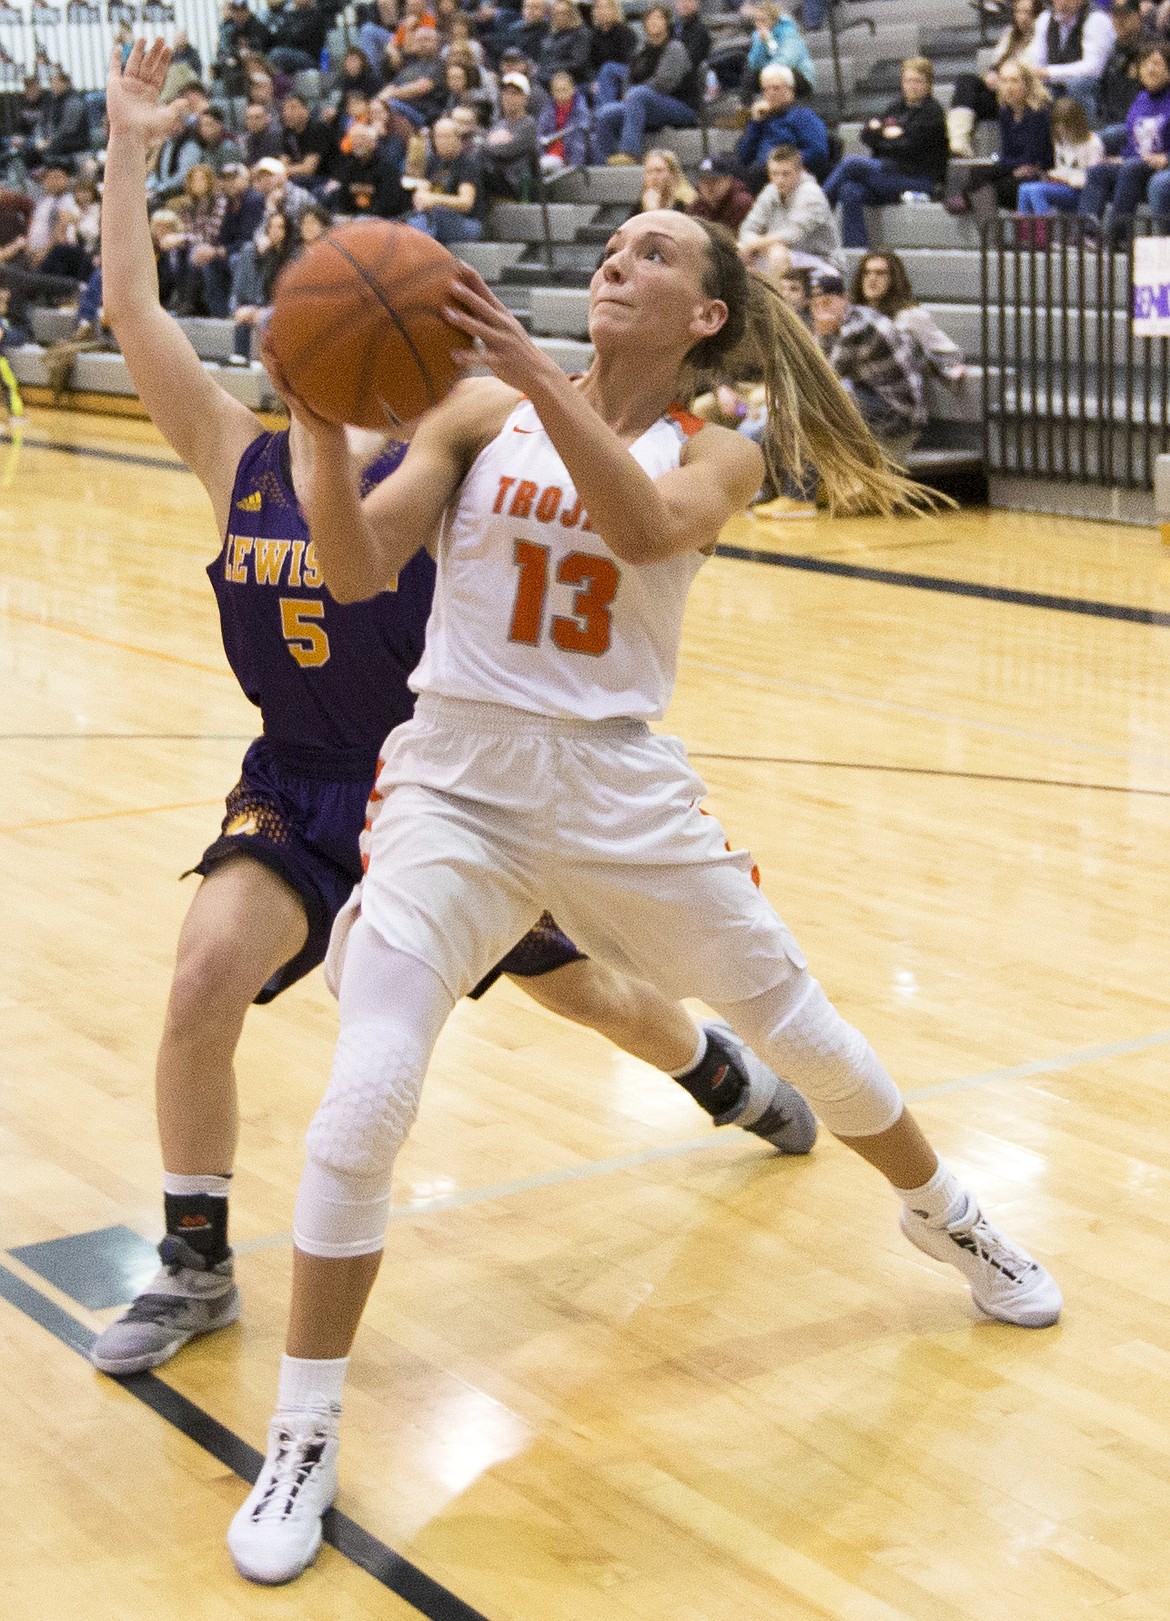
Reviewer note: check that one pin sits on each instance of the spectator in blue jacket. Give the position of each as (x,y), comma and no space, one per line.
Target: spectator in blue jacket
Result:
(1142,172)
(777,39)
(777,120)
(564,126)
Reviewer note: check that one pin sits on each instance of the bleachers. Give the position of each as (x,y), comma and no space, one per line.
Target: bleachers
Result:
(544,280)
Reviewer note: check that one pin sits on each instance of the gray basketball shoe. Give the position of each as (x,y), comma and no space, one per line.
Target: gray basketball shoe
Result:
(184,1298)
(768,1107)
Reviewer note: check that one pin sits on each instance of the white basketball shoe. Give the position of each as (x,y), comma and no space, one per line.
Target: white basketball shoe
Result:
(1006,1282)
(277,1532)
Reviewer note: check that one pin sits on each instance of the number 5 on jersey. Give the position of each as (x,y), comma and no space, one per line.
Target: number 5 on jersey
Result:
(307,642)
(588,628)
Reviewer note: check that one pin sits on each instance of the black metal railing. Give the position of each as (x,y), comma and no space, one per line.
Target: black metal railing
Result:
(1069,391)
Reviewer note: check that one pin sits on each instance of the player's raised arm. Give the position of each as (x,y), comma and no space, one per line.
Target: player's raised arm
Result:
(201,421)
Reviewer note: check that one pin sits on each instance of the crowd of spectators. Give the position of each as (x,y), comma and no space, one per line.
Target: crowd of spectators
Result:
(431,110)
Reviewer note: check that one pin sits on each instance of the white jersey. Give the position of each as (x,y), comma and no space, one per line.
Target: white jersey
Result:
(531,607)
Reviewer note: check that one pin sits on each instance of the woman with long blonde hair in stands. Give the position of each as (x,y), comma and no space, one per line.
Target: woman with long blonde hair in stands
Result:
(569,518)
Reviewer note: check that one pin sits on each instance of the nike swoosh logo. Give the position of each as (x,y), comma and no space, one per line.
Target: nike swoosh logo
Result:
(523,430)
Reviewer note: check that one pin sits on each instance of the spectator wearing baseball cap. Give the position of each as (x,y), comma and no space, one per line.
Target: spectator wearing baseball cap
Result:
(877,365)
(722,195)
(510,147)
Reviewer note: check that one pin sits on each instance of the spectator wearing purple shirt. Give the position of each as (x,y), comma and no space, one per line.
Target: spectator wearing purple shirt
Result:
(1116,187)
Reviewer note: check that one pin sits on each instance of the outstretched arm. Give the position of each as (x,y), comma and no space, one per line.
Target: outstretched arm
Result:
(200,421)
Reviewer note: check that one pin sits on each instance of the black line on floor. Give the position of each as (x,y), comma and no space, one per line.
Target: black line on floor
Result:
(358,1545)
(931,771)
(95,452)
(956,588)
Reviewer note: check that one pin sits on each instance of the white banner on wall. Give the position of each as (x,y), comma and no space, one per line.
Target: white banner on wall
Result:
(1151,286)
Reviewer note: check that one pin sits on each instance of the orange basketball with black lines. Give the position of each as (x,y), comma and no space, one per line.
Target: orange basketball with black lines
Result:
(357,327)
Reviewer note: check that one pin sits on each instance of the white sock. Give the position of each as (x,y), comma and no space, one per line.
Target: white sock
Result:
(700,1054)
(217,1186)
(310,1382)
(940,1201)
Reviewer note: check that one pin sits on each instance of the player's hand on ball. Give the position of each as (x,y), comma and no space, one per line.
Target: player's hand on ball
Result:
(132,92)
(504,346)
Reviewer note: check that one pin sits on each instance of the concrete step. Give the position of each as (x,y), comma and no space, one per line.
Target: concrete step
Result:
(491,259)
(524,222)
(950,275)
(598,185)
(107,373)
(919,225)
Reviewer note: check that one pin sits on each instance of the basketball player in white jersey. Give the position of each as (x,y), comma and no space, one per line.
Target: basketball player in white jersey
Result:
(570,520)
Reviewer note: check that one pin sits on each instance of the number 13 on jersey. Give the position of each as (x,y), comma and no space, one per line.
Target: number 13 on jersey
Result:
(587,629)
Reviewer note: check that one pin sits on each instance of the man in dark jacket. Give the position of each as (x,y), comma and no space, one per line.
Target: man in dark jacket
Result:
(1119,82)
(909,141)
(298,37)
(367,182)
(65,130)
(566,45)
(778,120)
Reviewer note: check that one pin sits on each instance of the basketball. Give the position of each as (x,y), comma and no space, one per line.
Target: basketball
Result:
(357,326)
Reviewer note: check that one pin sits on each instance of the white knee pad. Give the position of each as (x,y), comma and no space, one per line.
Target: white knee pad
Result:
(798,1031)
(364,1117)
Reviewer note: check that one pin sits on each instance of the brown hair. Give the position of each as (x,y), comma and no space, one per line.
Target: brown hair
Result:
(897,296)
(811,420)
(1070,121)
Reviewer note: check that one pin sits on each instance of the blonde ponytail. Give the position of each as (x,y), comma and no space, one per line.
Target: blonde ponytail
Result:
(811,420)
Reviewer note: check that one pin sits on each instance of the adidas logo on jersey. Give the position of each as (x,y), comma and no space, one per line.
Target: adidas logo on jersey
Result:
(250,503)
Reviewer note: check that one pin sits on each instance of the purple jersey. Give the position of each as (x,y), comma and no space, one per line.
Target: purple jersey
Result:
(328,678)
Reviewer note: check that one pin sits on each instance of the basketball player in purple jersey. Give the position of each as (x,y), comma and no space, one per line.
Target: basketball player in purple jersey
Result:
(330,683)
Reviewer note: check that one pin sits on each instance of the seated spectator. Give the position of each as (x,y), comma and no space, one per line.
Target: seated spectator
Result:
(974,97)
(1077,150)
(777,39)
(354,73)
(1116,187)
(376,33)
(513,61)
(795,286)
(693,35)
(64,131)
(55,194)
(529,32)
(776,120)
(792,211)
(909,141)
(566,45)
(416,91)
(307,144)
(1025,141)
(89,217)
(612,43)
(1119,82)
(201,207)
(169,243)
(243,214)
(510,146)
(185,55)
(27,118)
(449,203)
(880,283)
(365,180)
(875,363)
(241,33)
(262,86)
(664,185)
(65,255)
(1073,42)
(262,135)
(298,36)
(217,146)
(663,90)
(564,126)
(461,41)
(259,263)
(723,197)
(464,86)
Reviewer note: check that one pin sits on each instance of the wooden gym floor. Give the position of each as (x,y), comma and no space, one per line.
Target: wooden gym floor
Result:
(619,1365)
